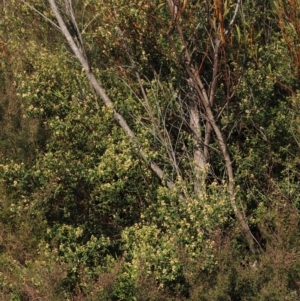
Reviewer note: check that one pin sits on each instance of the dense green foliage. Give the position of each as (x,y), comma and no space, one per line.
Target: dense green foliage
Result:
(84,216)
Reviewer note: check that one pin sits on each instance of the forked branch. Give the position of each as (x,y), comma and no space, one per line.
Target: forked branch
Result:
(206,99)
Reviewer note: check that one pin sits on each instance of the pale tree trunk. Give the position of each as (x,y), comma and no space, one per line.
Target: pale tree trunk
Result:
(199,159)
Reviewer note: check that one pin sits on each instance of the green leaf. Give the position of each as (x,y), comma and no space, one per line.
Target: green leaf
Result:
(238,30)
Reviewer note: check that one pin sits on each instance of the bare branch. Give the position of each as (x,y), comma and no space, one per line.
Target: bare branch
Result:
(237,7)
(215,72)
(79,53)
(42,15)
(165,137)
(71,15)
